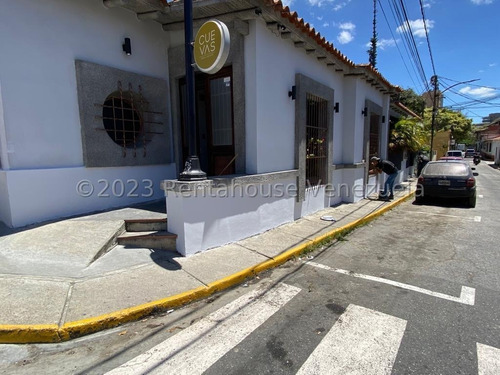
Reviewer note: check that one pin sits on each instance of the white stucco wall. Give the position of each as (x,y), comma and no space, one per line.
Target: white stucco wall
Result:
(40,41)
(38,195)
(40,126)
(272,64)
(217,216)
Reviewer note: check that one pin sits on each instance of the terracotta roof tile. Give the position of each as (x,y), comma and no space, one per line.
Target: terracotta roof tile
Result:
(305,27)
(299,23)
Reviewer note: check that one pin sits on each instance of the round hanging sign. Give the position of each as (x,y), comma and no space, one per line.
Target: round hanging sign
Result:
(211,46)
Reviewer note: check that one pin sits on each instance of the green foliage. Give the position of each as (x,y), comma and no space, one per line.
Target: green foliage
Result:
(412,101)
(372,52)
(409,133)
(446,119)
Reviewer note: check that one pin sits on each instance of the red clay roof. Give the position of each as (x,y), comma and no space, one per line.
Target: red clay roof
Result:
(306,28)
(303,26)
(328,46)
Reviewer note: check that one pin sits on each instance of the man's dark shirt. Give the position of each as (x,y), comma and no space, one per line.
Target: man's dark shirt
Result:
(387,166)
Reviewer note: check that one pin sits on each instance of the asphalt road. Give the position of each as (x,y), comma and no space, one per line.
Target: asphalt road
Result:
(414,292)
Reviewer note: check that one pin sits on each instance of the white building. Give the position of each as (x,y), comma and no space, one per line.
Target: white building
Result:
(85,126)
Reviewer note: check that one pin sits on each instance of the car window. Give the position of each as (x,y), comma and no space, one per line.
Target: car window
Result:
(454,153)
(442,169)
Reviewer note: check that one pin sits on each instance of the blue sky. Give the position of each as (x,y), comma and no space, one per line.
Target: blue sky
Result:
(462,35)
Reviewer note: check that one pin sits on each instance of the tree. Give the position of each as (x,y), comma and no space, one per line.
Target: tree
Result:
(372,52)
(409,134)
(446,119)
(412,101)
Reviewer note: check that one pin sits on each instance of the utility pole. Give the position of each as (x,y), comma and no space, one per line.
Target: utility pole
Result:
(192,170)
(434,82)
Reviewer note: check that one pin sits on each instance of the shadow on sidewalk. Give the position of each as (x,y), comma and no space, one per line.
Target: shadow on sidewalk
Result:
(165,259)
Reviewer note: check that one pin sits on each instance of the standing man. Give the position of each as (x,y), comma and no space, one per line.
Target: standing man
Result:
(388,168)
(421,163)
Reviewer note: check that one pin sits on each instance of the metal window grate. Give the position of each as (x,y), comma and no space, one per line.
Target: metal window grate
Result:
(124,117)
(316,140)
(374,137)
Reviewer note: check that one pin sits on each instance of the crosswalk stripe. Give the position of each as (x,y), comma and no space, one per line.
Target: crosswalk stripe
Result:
(361,342)
(488,360)
(467,294)
(196,348)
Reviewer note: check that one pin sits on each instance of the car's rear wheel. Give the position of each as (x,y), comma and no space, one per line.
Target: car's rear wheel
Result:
(472,201)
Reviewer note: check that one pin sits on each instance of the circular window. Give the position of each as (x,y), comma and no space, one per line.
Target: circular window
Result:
(122,122)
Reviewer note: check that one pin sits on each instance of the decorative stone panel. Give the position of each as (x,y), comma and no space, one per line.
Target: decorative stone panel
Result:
(123,116)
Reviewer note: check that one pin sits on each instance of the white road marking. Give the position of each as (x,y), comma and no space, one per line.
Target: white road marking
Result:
(477,218)
(444,215)
(467,295)
(488,360)
(361,342)
(480,196)
(196,348)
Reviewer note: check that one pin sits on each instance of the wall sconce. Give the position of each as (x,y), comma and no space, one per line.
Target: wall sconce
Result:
(293,93)
(383,119)
(364,112)
(127,47)
(336,107)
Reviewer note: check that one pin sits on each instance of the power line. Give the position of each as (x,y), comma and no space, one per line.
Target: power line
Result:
(397,44)
(427,37)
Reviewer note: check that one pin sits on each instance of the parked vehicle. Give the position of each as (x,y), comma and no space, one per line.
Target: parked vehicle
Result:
(470,152)
(447,179)
(455,153)
(450,158)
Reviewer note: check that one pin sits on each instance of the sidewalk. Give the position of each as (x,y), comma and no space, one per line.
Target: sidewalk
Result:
(54,286)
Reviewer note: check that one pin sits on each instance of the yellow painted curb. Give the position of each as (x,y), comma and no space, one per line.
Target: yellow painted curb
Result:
(24,333)
(52,333)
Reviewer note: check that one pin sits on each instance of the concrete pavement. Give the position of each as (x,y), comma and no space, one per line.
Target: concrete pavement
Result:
(58,281)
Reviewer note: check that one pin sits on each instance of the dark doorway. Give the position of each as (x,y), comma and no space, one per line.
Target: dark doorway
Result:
(214,122)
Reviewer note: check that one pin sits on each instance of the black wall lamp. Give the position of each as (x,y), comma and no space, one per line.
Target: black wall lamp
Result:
(364,112)
(336,107)
(127,47)
(293,93)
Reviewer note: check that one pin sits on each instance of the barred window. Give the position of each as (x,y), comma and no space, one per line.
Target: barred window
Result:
(374,136)
(122,122)
(316,140)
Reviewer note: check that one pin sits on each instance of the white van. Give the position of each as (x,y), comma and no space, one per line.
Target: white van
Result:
(455,153)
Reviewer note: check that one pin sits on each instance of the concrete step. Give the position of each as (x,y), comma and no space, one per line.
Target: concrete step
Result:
(145,225)
(162,240)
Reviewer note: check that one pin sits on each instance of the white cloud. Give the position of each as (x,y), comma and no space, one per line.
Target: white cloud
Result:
(427,3)
(479,92)
(349,26)
(319,3)
(287,3)
(384,43)
(417,27)
(326,24)
(492,65)
(481,2)
(347,32)
(345,37)
(339,6)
